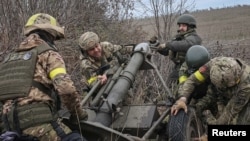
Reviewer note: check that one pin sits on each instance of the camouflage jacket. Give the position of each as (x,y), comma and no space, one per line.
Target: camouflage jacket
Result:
(50,71)
(235,98)
(177,47)
(183,75)
(90,66)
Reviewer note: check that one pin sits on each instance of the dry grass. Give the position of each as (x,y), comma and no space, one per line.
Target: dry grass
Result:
(225,32)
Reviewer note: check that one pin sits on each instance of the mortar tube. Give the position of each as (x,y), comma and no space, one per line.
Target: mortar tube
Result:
(120,89)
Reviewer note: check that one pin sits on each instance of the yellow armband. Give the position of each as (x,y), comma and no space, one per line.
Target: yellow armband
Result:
(199,76)
(56,71)
(182,79)
(92,79)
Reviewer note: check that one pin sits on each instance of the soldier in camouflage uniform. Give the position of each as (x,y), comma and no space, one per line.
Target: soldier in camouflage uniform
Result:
(33,77)
(230,78)
(96,54)
(176,48)
(196,56)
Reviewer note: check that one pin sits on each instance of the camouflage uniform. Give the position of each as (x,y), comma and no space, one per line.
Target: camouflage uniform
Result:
(230,80)
(184,74)
(37,109)
(90,65)
(199,99)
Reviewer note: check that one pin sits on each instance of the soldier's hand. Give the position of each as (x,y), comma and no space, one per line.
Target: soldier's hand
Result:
(103,78)
(202,138)
(179,104)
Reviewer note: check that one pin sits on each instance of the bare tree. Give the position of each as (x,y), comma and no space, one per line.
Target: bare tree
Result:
(110,19)
(164,14)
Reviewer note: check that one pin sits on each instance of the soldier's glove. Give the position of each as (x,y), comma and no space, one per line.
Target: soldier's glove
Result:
(154,42)
(202,138)
(210,119)
(179,104)
(75,118)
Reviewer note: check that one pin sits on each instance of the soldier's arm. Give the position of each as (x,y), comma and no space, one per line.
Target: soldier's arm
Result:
(195,79)
(183,73)
(110,48)
(183,45)
(206,101)
(234,106)
(63,84)
(89,73)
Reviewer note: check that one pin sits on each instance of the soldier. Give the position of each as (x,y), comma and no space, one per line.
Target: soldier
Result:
(230,80)
(33,77)
(176,48)
(96,54)
(196,56)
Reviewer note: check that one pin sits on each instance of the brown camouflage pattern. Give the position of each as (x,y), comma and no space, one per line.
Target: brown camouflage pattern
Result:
(88,40)
(45,132)
(89,65)
(235,98)
(46,62)
(44,22)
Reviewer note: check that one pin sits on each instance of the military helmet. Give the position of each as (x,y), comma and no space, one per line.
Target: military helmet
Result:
(187,19)
(44,22)
(225,73)
(88,40)
(197,56)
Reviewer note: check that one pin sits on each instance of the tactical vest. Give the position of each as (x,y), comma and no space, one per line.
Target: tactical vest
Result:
(179,57)
(17,72)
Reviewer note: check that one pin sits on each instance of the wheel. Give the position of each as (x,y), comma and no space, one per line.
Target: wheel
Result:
(184,126)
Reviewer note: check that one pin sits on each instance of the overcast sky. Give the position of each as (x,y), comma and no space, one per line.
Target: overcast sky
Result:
(199,5)
(206,4)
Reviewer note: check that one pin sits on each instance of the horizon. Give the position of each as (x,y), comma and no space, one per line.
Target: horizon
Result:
(203,5)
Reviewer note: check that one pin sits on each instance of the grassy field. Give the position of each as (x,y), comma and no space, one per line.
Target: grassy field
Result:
(224,31)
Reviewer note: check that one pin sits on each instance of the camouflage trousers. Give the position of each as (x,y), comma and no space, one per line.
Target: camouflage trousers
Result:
(45,132)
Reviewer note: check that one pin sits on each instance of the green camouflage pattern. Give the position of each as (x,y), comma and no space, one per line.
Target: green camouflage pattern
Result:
(89,65)
(198,97)
(225,73)
(46,62)
(234,99)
